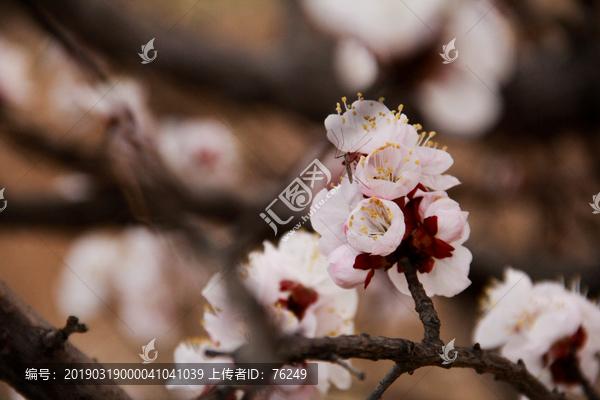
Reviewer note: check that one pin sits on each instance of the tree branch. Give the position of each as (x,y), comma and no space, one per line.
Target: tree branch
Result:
(26,338)
(423,304)
(387,381)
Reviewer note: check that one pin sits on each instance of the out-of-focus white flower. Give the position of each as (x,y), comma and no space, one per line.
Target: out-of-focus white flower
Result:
(545,325)
(439,228)
(465,96)
(390,28)
(75,186)
(15,86)
(355,64)
(202,153)
(292,283)
(129,267)
(75,97)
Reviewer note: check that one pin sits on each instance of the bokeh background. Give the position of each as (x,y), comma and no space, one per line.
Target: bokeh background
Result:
(234,100)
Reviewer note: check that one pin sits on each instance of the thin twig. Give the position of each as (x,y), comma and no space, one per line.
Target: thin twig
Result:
(360,375)
(386,382)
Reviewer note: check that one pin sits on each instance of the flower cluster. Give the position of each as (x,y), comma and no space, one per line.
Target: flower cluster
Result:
(291,282)
(553,330)
(393,205)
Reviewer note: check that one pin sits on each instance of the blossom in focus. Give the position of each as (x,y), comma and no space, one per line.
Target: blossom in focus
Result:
(292,283)
(390,155)
(547,326)
(439,228)
(388,213)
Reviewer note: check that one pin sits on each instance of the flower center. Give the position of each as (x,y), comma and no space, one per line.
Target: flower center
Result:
(300,298)
(372,220)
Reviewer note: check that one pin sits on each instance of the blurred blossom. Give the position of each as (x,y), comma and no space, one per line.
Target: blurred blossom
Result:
(464,97)
(546,325)
(129,267)
(390,28)
(355,65)
(74,187)
(201,153)
(75,98)
(291,281)
(15,86)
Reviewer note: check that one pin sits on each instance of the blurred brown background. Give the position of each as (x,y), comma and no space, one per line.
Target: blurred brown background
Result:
(266,72)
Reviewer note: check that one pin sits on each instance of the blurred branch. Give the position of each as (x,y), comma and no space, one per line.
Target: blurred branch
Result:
(26,338)
(298,74)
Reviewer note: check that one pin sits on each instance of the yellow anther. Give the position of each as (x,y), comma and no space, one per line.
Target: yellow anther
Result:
(381,100)
(417,162)
(344,99)
(400,107)
(410,152)
(445,148)
(406,159)
(354,112)
(431,134)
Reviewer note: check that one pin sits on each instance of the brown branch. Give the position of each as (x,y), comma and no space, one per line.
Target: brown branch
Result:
(423,304)
(387,381)
(411,356)
(26,338)
(57,338)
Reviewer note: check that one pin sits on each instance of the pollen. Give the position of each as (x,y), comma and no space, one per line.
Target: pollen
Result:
(350,224)
(381,100)
(344,99)
(406,159)
(410,152)
(353,112)
(417,162)
(343,120)
(445,148)
(400,107)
